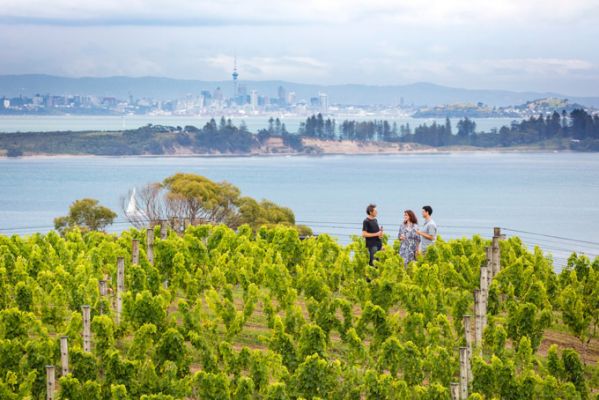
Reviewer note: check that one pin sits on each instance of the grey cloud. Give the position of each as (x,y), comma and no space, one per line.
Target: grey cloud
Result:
(383,43)
(147,21)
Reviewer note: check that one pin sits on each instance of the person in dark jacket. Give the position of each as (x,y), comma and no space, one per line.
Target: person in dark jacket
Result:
(372,232)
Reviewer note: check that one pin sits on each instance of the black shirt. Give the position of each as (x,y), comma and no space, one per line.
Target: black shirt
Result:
(371,226)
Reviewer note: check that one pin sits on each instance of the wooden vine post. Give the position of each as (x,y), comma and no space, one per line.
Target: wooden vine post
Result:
(64,355)
(87,337)
(120,288)
(150,245)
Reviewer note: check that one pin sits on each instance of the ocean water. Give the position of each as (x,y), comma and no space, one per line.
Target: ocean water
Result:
(35,123)
(553,197)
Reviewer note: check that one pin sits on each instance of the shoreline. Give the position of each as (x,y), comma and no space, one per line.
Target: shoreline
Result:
(311,147)
(46,156)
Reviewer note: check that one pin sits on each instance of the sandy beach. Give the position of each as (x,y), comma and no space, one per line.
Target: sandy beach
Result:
(273,147)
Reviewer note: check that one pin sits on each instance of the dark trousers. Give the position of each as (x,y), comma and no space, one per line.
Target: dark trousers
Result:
(372,251)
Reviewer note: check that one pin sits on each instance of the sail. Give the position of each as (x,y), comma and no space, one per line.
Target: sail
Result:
(132,211)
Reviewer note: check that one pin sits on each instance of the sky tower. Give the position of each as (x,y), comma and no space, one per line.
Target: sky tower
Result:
(235,75)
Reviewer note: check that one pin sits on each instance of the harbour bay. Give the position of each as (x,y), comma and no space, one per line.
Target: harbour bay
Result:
(553,194)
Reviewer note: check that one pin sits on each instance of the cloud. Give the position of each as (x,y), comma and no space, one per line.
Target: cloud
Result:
(272,68)
(544,66)
(141,21)
(496,44)
(482,12)
(158,13)
(85,66)
(291,12)
(572,76)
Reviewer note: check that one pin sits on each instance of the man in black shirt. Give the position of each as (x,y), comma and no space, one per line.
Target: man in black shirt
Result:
(371,232)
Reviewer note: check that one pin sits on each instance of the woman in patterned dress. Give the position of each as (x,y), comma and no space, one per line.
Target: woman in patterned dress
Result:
(410,240)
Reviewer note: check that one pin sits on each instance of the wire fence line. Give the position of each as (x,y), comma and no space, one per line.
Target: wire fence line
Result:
(559,246)
(50,227)
(552,236)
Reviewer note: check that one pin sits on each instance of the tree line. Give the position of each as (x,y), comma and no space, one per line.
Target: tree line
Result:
(577,130)
(179,201)
(578,125)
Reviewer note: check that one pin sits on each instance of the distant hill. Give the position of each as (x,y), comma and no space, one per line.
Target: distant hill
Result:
(167,88)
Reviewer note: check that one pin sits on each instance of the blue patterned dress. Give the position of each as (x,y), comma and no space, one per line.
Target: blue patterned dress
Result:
(409,246)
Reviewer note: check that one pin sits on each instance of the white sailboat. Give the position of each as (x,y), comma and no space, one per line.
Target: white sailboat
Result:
(132,211)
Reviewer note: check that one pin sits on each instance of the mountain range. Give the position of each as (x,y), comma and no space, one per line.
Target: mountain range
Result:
(419,94)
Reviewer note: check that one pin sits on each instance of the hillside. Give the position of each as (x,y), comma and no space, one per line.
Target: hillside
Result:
(347,94)
(218,314)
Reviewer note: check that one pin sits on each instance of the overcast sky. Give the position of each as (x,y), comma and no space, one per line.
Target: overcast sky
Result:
(548,45)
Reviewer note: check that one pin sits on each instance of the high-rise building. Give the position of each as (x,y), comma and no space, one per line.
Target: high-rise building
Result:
(218,94)
(235,75)
(291,98)
(282,96)
(218,99)
(263,101)
(38,100)
(254,100)
(241,90)
(324,103)
(242,97)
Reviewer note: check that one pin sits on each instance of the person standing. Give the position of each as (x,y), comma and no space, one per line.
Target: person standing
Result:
(429,229)
(410,240)
(372,232)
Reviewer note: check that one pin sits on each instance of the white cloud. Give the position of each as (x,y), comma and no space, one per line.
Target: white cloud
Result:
(85,66)
(263,68)
(496,44)
(538,65)
(475,12)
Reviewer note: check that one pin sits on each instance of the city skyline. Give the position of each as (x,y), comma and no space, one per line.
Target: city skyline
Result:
(508,45)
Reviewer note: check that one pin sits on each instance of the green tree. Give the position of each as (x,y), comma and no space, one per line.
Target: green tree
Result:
(466,128)
(86,214)
(200,199)
(265,212)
